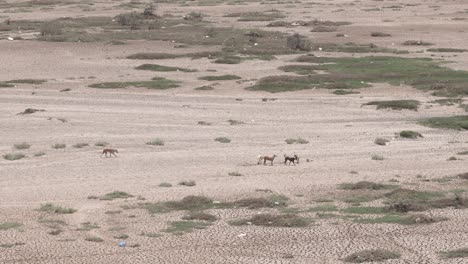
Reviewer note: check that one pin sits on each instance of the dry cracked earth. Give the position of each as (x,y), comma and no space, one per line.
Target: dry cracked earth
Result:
(183,123)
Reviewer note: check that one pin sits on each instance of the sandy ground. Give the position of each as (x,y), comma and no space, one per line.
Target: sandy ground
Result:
(341,134)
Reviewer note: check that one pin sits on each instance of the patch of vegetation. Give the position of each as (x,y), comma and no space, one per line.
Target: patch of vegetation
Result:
(150,234)
(13,156)
(344,92)
(189,203)
(324,208)
(257,16)
(94,239)
(121,236)
(372,255)
(229,60)
(165,184)
(377,157)
(9,225)
(226,77)
(155,83)
(10,245)
(284,220)
(204,88)
(22,146)
(235,173)
(410,134)
(364,210)
(298,42)
(155,142)
(115,195)
(366,185)
(29,111)
(349,73)
(381,141)
(182,227)
(396,104)
(417,43)
(188,183)
(59,146)
(402,220)
(324,29)
(233,122)
(86,226)
(296,141)
(28,81)
(269,202)
(380,34)
(39,154)
(453,122)
(446,50)
(222,140)
(448,101)
(463,152)
(200,216)
(48,207)
(204,123)
(6,85)
(101,144)
(162,68)
(457,253)
(81,145)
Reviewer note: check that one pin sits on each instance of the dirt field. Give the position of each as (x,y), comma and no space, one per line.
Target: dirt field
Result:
(339,133)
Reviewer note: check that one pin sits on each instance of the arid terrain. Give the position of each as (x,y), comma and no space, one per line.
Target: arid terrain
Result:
(371,95)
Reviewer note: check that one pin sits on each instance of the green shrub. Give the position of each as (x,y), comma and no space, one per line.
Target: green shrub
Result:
(372,255)
(222,140)
(13,156)
(48,207)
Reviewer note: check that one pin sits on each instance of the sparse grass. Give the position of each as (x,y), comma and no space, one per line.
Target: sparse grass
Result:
(257,16)
(200,216)
(191,203)
(380,34)
(28,81)
(235,122)
(13,156)
(115,195)
(203,123)
(94,239)
(29,111)
(222,140)
(463,152)
(417,43)
(39,154)
(229,60)
(86,226)
(396,104)
(410,134)
(324,208)
(161,68)
(284,220)
(59,146)
(235,173)
(182,227)
(377,157)
(372,255)
(101,144)
(271,201)
(457,253)
(55,232)
(121,236)
(452,122)
(364,210)
(204,88)
(344,92)
(187,183)
(81,145)
(150,234)
(9,225)
(6,85)
(156,83)
(381,141)
(22,146)
(366,185)
(156,142)
(226,77)
(402,220)
(48,207)
(296,141)
(165,184)
(448,101)
(446,50)
(10,245)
